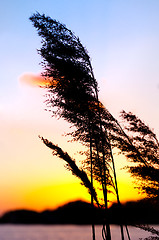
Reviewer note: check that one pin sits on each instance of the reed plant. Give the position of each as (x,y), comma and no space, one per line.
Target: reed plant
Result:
(73,94)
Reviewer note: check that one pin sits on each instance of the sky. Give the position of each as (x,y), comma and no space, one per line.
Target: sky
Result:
(122,38)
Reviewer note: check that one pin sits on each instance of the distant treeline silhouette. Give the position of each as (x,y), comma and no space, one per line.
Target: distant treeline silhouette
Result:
(79,212)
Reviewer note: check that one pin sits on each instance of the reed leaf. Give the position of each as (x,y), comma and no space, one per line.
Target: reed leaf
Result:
(71,165)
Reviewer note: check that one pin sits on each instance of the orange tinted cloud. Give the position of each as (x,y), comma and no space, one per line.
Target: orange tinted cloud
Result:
(35,80)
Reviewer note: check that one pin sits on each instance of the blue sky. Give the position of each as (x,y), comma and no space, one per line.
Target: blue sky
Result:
(122,38)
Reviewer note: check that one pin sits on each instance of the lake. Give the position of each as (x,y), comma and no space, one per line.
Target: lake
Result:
(60,232)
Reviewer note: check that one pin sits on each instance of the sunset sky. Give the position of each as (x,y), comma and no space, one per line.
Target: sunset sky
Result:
(122,38)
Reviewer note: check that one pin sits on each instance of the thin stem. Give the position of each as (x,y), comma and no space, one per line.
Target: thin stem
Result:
(116,188)
(117,192)
(93,227)
(104,167)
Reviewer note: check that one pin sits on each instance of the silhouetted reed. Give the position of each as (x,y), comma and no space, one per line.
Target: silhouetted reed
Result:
(72,94)
(72,84)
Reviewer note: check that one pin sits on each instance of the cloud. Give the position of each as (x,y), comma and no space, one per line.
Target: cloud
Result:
(34,80)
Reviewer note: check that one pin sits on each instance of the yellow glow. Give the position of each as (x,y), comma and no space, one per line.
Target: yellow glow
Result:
(44,196)
(34,179)
(50,197)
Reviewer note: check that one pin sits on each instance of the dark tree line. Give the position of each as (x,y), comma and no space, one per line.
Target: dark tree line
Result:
(72,94)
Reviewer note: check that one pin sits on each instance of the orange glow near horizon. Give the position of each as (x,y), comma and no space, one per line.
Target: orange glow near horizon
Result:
(40,198)
(53,186)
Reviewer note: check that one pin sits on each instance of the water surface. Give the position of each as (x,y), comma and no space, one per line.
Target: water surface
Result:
(62,232)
